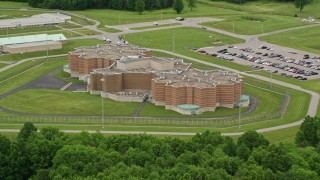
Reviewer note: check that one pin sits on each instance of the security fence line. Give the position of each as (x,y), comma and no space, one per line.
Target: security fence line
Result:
(192,122)
(214,122)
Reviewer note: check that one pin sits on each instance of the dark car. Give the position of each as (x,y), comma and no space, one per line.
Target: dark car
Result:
(179,18)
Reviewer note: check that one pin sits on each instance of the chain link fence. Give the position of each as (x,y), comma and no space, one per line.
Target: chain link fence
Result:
(221,122)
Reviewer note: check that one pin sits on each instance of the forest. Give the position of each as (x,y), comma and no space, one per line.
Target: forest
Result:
(51,154)
(97,4)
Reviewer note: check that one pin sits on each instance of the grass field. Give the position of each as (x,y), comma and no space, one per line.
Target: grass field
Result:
(268,7)
(255,23)
(155,26)
(30,75)
(67,77)
(3,65)
(110,30)
(66,48)
(180,41)
(16,68)
(64,102)
(116,17)
(304,39)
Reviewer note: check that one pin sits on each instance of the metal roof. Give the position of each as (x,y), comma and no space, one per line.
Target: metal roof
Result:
(31,38)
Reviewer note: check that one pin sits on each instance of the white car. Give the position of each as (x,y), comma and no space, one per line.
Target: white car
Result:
(155,23)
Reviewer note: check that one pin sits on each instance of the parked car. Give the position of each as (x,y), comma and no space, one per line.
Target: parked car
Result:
(179,18)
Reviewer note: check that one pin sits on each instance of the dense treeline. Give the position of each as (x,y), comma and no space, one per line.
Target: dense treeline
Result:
(99,4)
(244,1)
(51,154)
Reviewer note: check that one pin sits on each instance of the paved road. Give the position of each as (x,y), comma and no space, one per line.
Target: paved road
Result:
(30,59)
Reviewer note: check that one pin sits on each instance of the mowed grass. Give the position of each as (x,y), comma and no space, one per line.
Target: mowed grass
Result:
(16,68)
(152,110)
(3,65)
(116,17)
(268,7)
(155,26)
(8,14)
(67,77)
(28,76)
(41,101)
(66,48)
(255,23)
(312,85)
(110,30)
(183,40)
(304,39)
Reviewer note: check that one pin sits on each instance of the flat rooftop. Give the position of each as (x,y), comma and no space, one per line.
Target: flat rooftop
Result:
(44,43)
(31,38)
(179,75)
(111,51)
(39,19)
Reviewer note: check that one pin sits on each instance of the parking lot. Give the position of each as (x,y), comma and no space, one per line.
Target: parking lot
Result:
(290,63)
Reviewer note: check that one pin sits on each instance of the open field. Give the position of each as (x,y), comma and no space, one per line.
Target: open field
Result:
(268,7)
(64,102)
(180,41)
(255,23)
(2,65)
(156,26)
(110,30)
(312,85)
(304,39)
(66,48)
(31,74)
(67,77)
(116,17)
(15,69)
(8,14)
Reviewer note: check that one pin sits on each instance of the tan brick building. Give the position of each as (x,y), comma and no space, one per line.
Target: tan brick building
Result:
(84,60)
(168,82)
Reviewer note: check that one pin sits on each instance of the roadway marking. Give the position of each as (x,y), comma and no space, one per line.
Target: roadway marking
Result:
(66,86)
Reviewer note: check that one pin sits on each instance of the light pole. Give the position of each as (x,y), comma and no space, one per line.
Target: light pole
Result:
(233,28)
(102,104)
(271,79)
(240,106)
(161,15)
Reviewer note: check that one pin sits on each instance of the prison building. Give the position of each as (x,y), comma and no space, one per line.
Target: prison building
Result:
(32,43)
(84,60)
(167,82)
(34,21)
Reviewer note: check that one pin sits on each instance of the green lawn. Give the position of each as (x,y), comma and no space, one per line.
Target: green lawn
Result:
(64,102)
(283,135)
(255,23)
(86,31)
(155,26)
(8,14)
(30,75)
(15,69)
(3,65)
(116,17)
(304,39)
(152,110)
(268,7)
(66,48)
(38,30)
(67,77)
(110,30)
(181,41)
(312,85)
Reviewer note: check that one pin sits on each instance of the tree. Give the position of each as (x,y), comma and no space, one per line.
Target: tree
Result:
(140,6)
(301,4)
(178,6)
(252,139)
(309,132)
(25,132)
(192,4)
